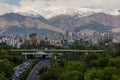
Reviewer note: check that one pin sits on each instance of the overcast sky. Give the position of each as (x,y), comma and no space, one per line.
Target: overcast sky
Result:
(7,6)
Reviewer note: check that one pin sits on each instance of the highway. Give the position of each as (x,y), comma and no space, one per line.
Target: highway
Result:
(20,69)
(34,74)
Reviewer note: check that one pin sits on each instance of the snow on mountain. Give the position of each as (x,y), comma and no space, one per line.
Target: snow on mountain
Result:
(53,11)
(30,13)
(66,11)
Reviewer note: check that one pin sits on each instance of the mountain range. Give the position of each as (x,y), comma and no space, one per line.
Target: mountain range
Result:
(60,21)
(14,23)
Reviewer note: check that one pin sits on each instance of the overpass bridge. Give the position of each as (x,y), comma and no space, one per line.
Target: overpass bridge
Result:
(58,50)
(48,52)
(35,54)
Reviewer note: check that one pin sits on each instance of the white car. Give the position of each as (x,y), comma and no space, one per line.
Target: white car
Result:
(17,74)
(20,72)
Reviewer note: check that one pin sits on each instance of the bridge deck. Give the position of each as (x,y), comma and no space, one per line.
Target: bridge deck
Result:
(34,50)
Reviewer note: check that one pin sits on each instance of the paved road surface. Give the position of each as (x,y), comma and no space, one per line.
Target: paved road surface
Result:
(57,50)
(34,74)
(20,68)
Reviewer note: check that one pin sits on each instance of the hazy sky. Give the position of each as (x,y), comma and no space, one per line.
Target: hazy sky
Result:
(36,5)
(11,2)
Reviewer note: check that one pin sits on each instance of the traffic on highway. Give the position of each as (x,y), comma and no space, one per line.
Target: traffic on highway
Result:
(34,74)
(20,69)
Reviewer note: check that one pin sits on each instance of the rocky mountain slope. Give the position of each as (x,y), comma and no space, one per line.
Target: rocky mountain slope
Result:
(16,23)
(97,21)
(74,21)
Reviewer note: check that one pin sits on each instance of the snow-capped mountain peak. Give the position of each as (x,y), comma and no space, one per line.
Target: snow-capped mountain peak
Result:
(30,13)
(53,11)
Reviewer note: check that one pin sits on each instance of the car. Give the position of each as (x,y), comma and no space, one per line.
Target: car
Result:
(16,74)
(24,63)
(25,66)
(17,68)
(37,73)
(20,72)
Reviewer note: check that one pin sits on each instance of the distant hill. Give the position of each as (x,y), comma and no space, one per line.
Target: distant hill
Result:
(19,24)
(100,21)
(15,23)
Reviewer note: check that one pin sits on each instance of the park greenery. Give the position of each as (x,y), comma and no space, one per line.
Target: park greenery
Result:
(39,46)
(79,66)
(4,46)
(8,60)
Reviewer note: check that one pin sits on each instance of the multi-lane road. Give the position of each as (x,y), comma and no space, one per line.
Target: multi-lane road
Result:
(20,69)
(34,74)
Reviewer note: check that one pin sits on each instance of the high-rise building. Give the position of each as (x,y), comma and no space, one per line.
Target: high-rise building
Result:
(33,38)
(67,34)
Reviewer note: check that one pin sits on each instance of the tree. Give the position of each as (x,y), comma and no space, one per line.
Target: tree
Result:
(102,62)
(90,59)
(52,74)
(2,76)
(6,67)
(90,75)
(79,47)
(114,62)
(107,73)
(99,47)
(112,50)
(71,75)
(70,66)
(43,70)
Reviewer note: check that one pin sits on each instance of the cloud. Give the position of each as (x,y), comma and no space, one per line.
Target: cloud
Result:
(39,5)
(5,8)
(107,4)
